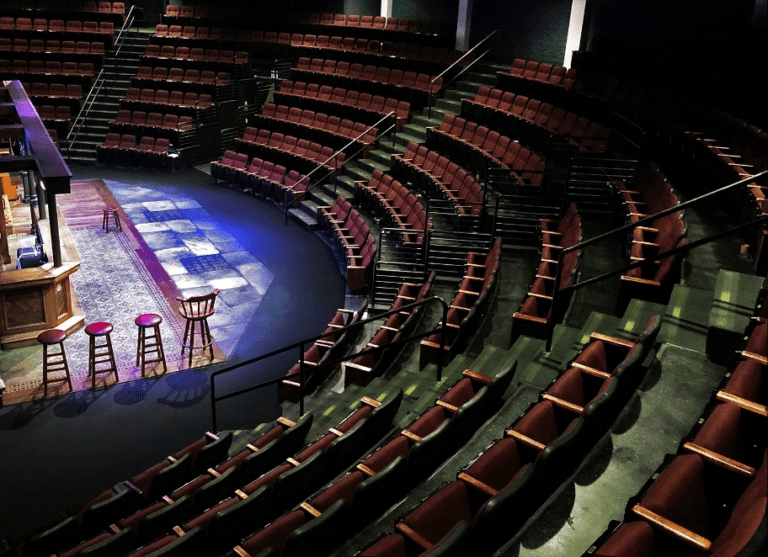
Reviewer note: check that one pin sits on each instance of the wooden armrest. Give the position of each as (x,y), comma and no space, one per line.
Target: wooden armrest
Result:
(133,487)
(469,292)
(616,341)
(370,402)
(178,531)
(435,345)
(544,277)
(335,431)
(310,509)
(460,308)
(412,436)
(720,460)
(575,408)
(481,279)
(292,461)
(241,494)
(743,403)
(413,536)
(306,363)
(682,534)
(167,500)
(647,229)
(480,377)
(285,421)
(252,448)
(213,473)
(477,484)
(325,343)
(752,356)
(211,436)
(365,470)
(387,328)
(358,366)
(524,317)
(114,528)
(640,280)
(526,440)
(408,298)
(450,407)
(551,246)
(240,551)
(540,296)
(590,370)
(550,232)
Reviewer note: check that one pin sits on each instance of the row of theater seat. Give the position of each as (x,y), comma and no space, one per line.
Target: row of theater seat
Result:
(469,302)
(205,78)
(380,74)
(535,314)
(162,97)
(52,46)
(260,177)
(720,467)
(194,492)
(341,100)
(58,26)
(311,125)
(535,120)
(202,33)
(122,149)
(479,148)
(397,326)
(140,120)
(541,72)
(390,200)
(56,91)
(37,67)
(213,55)
(335,340)
(60,114)
(266,142)
(374,22)
(342,509)
(102,6)
(495,493)
(315,43)
(440,178)
(353,238)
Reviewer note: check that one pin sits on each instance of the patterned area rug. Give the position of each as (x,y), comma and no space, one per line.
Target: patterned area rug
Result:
(112,285)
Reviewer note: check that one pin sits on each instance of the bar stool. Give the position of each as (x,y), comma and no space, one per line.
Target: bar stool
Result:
(51,361)
(155,344)
(100,353)
(111,212)
(196,310)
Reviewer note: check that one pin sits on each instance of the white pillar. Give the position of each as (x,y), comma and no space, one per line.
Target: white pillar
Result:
(386,8)
(575,26)
(463,25)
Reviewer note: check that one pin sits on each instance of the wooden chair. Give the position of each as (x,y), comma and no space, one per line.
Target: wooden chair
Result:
(196,310)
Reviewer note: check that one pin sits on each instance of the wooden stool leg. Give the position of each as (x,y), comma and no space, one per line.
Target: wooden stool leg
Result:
(186,336)
(66,366)
(192,342)
(208,338)
(92,361)
(112,357)
(139,348)
(160,347)
(45,370)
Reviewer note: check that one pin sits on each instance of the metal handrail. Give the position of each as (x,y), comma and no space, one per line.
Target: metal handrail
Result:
(99,82)
(463,56)
(647,220)
(302,343)
(336,166)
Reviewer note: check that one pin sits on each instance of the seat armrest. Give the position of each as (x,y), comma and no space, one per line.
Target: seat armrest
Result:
(526,440)
(413,536)
(720,460)
(616,341)
(477,484)
(368,401)
(590,370)
(575,408)
(683,534)
(743,403)
(365,470)
(411,436)
(449,407)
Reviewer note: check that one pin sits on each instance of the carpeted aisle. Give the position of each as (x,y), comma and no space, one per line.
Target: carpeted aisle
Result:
(61,451)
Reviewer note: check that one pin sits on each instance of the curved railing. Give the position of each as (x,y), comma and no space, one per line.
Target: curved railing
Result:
(308,341)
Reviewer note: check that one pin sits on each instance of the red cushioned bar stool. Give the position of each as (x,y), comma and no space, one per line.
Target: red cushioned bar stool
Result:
(100,353)
(149,344)
(111,212)
(54,362)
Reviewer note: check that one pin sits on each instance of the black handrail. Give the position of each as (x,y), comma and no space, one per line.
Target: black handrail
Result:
(94,91)
(336,168)
(300,344)
(632,225)
(472,63)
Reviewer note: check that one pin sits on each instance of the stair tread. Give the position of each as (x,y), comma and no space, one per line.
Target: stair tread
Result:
(686,319)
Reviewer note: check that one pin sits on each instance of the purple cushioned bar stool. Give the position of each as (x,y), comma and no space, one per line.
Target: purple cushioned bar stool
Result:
(54,362)
(149,344)
(100,353)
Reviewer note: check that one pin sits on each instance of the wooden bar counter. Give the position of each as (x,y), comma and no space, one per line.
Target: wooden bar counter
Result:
(36,299)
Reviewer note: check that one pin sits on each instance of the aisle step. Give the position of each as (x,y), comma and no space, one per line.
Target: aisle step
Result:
(636,317)
(733,304)
(686,319)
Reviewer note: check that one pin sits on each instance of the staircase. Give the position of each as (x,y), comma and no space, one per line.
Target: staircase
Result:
(120,65)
